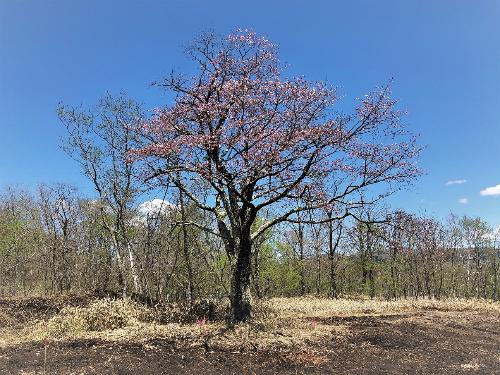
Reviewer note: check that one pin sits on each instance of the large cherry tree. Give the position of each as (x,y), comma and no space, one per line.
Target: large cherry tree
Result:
(241,139)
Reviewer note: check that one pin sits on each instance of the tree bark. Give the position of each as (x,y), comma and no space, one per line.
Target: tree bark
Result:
(241,299)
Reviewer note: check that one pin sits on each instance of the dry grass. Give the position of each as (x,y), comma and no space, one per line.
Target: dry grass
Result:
(278,324)
(311,307)
(101,315)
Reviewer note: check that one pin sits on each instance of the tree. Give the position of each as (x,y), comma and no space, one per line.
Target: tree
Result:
(257,141)
(60,213)
(477,235)
(100,141)
(18,238)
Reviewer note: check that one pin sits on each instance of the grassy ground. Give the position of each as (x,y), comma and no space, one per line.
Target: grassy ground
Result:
(287,335)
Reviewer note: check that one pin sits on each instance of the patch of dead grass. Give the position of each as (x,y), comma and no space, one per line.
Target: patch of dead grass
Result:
(312,307)
(278,323)
(101,315)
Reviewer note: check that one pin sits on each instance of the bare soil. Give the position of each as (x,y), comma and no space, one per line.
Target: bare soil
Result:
(417,342)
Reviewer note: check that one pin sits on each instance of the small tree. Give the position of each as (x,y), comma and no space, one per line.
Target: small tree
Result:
(100,141)
(59,214)
(477,237)
(257,141)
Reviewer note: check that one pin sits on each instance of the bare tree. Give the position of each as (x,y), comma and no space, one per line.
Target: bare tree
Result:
(100,140)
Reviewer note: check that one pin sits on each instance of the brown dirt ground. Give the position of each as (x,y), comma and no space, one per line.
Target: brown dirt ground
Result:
(419,342)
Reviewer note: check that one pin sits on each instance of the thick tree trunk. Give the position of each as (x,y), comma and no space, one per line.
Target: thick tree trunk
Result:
(241,299)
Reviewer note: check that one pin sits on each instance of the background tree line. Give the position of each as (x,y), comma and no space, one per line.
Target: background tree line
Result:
(55,241)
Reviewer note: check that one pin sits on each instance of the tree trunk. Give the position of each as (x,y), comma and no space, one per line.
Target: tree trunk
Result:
(318,272)
(241,299)
(332,246)
(186,251)
(122,281)
(495,277)
(133,271)
(453,282)
(300,233)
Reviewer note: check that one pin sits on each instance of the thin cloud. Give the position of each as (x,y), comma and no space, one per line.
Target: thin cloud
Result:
(463,200)
(455,182)
(490,191)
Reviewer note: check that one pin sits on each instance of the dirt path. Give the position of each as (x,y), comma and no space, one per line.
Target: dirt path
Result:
(429,342)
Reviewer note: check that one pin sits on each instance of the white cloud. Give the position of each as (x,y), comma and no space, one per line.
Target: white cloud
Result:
(456,182)
(463,200)
(491,191)
(151,209)
(154,207)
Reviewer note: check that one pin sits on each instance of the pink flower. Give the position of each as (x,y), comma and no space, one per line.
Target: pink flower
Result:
(201,322)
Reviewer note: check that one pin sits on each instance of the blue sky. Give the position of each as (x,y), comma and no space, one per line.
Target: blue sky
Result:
(444,57)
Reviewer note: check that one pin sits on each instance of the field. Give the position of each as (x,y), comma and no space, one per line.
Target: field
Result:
(83,335)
